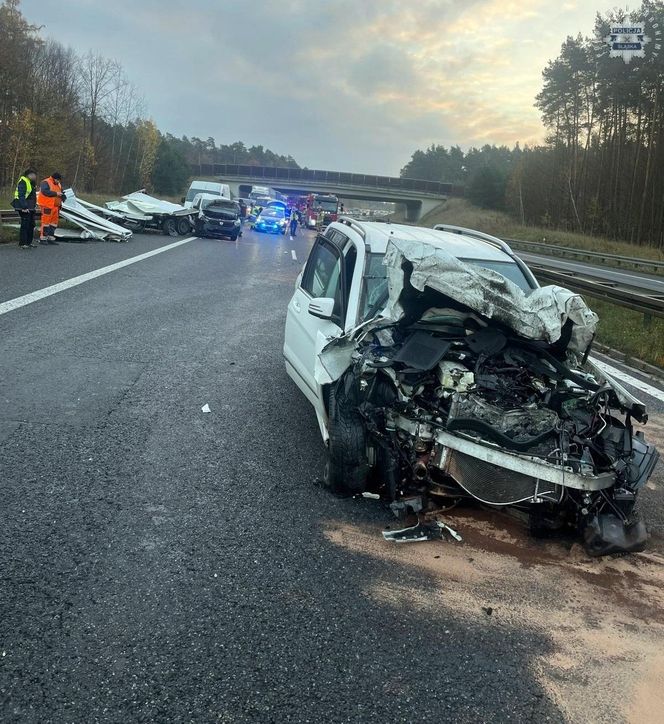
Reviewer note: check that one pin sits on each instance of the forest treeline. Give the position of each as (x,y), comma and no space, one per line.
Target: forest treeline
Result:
(81,115)
(600,170)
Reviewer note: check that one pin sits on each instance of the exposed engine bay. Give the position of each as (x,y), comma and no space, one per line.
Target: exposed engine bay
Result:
(441,404)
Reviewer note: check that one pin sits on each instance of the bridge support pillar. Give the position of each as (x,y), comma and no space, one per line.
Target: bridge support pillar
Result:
(413,211)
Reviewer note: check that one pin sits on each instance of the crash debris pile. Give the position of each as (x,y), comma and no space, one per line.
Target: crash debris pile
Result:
(469,388)
(119,219)
(140,211)
(86,216)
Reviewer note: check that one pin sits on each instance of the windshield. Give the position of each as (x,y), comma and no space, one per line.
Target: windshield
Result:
(374,291)
(327,204)
(220,205)
(273,213)
(193,191)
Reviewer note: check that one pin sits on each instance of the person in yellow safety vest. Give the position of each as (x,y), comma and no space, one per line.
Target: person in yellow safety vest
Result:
(24,201)
(50,198)
(320,218)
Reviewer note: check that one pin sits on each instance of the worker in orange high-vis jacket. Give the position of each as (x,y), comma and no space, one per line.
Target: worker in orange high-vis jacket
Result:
(50,198)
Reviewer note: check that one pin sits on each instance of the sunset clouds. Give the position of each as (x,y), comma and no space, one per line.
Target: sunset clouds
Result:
(340,84)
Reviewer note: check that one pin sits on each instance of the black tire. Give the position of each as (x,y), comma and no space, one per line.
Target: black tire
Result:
(183,226)
(198,230)
(169,227)
(233,237)
(347,464)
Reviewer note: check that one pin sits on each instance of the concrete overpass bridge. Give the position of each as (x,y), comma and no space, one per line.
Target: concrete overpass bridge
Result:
(418,196)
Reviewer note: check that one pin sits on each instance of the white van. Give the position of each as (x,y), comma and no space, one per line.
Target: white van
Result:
(206,187)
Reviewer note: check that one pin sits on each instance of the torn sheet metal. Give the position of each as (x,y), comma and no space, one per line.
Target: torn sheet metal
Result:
(140,206)
(333,357)
(94,226)
(539,315)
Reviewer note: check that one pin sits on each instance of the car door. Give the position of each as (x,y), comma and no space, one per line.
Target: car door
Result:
(321,278)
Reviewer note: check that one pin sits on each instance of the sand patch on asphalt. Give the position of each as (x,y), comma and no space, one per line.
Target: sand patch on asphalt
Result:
(604,618)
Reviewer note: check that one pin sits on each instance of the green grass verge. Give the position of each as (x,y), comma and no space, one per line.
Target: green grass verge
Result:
(462,213)
(624,330)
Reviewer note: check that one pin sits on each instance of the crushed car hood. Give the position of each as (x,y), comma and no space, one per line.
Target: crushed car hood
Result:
(539,315)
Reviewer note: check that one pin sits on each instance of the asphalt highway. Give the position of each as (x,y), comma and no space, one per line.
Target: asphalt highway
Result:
(627,278)
(161,563)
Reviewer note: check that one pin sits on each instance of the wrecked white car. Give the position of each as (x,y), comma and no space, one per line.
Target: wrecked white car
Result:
(441,372)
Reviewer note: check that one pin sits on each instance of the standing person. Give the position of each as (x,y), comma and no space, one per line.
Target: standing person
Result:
(50,198)
(293,223)
(24,201)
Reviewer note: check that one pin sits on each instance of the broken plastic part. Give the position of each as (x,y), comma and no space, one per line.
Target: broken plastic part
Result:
(422,351)
(414,534)
(420,532)
(607,534)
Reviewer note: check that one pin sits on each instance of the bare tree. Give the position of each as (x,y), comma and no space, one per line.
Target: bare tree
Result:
(99,78)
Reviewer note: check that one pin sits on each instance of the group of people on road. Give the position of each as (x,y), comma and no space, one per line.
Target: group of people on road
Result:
(49,197)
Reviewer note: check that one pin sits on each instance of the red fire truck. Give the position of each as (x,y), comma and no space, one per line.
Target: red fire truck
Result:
(321,210)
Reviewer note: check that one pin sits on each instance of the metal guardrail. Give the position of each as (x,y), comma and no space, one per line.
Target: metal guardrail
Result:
(8,215)
(649,303)
(271,174)
(637,263)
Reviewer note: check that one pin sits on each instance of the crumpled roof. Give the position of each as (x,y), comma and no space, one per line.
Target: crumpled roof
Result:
(538,315)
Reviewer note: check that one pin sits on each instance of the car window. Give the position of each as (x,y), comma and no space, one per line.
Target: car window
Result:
(272,213)
(336,236)
(374,286)
(322,276)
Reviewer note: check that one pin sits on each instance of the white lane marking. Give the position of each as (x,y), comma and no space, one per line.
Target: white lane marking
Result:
(632,381)
(81,279)
(293,254)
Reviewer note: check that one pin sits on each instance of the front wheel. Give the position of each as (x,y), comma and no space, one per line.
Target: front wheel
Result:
(347,468)
(183,226)
(233,237)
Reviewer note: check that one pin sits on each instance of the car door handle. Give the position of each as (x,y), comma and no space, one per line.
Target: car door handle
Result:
(296,306)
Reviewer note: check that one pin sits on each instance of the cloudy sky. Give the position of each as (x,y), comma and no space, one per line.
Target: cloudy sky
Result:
(353,85)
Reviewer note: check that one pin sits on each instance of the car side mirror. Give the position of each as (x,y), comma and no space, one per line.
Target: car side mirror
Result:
(322,307)
(182,200)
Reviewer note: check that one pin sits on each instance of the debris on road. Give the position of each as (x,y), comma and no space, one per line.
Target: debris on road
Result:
(421,531)
(206,408)
(140,211)
(91,219)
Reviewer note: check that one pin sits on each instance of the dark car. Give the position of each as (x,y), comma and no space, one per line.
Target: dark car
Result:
(218,217)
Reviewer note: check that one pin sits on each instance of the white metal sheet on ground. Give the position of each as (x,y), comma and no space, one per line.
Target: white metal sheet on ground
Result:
(93,225)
